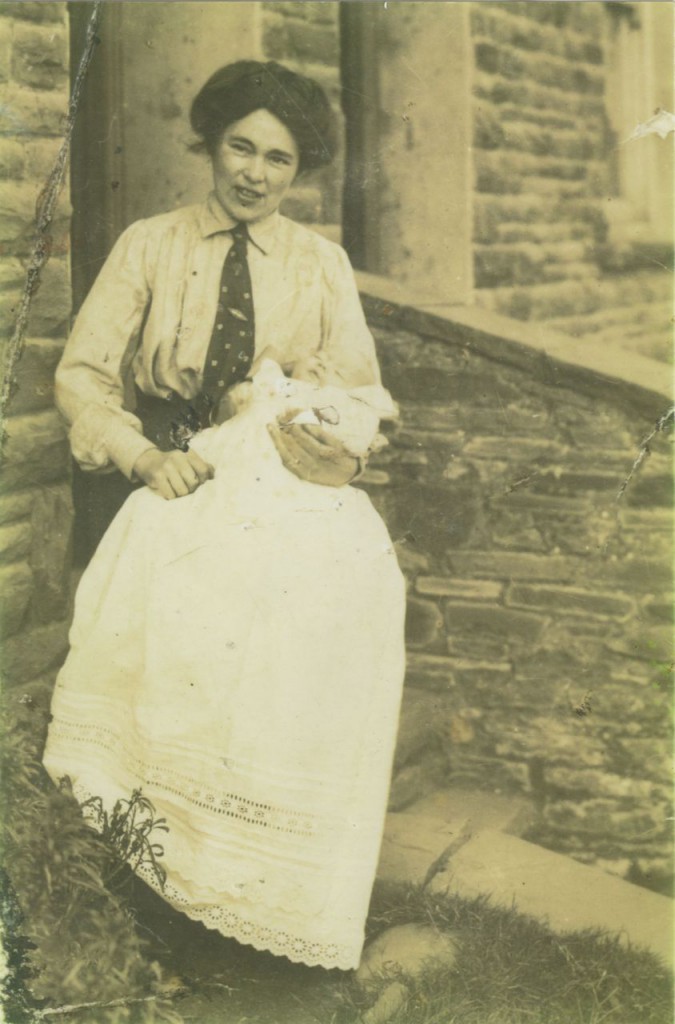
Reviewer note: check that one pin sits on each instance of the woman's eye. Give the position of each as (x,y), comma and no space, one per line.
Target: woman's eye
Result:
(282,160)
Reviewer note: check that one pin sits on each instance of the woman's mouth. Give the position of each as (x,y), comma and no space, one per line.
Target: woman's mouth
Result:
(248,195)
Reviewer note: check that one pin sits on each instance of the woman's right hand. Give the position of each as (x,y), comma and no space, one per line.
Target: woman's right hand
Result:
(172,474)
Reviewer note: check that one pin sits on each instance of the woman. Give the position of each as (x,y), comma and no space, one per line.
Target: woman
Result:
(237,653)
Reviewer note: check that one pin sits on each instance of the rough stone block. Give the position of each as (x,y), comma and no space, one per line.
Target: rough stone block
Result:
(375,478)
(51,305)
(544,738)
(525,92)
(659,608)
(306,9)
(508,265)
(6,32)
(570,481)
(430,671)
(300,40)
(515,565)
(40,157)
(515,873)
(640,756)
(51,552)
(15,541)
(15,506)
(488,127)
(32,653)
(650,489)
(409,950)
(493,622)
(424,724)
(36,451)
(654,873)
(40,56)
(424,623)
(436,517)
(575,782)
(476,675)
(568,600)
(304,205)
(10,302)
(427,417)
(16,587)
(34,112)
(35,10)
(514,448)
(17,213)
(463,589)
(12,275)
(35,376)
(410,560)
(601,817)
(415,780)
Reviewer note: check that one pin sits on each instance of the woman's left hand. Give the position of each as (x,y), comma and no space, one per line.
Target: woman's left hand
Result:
(311,453)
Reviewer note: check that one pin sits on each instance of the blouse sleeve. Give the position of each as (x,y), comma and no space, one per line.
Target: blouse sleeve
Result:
(90,379)
(347,348)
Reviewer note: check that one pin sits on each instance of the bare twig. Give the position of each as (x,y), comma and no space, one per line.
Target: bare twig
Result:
(61,1011)
(644,451)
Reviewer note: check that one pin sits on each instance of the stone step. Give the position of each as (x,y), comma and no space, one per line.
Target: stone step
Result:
(420,838)
(413,844)
(557,890)
(479,808)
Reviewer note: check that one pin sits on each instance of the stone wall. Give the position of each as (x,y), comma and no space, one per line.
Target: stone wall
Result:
(544,156)
(540,617)
(305,37)
(35,502)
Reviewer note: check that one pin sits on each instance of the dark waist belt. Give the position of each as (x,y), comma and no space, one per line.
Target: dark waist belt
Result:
(171,422)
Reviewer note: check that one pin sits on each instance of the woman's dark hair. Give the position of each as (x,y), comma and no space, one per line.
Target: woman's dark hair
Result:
(238,89)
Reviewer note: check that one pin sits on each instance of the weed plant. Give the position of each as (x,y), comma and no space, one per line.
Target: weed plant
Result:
(70,941)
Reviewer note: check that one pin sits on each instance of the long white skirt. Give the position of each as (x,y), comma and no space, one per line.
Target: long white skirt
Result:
(238,656)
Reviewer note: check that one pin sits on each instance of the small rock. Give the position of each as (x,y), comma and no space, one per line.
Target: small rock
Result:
(389,1002)
(406,949)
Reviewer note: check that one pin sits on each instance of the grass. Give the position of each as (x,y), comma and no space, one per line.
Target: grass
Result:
(71,940)
(510,969)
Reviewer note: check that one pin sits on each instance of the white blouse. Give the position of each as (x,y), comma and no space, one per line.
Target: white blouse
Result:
(149,316)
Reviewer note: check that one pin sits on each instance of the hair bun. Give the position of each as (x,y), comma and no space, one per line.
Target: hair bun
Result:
(238,89)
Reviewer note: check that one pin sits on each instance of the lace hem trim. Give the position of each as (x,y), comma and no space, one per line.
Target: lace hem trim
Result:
(219,802)
(264,938)
(261,937)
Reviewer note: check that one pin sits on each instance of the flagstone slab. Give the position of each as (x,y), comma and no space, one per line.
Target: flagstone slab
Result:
(479,808)
(414,843)
(557,890)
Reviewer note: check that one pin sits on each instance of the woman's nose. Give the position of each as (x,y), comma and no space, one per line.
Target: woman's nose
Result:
(255,169)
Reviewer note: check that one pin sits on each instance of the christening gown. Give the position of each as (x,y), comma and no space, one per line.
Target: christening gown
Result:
(237,655)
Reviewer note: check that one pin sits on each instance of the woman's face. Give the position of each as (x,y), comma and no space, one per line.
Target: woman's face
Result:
(254,166)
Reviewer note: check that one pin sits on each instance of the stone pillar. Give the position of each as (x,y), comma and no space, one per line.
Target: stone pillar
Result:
(35,502)
(417,148)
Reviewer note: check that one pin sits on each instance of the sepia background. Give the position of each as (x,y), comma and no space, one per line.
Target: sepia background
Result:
(514,252)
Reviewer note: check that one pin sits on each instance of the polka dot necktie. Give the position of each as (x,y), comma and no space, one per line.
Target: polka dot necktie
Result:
(232,344)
